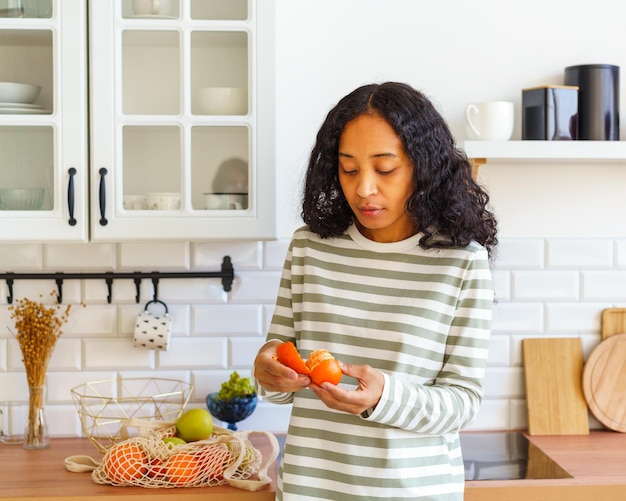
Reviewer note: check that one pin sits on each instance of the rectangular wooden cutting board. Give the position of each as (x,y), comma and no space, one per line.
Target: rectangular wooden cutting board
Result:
(613,322)
(555,401)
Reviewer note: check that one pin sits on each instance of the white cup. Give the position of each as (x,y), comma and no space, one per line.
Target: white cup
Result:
(490,120)
(135,202)
(151,7)
(163,201)
(226,201)
(13,416)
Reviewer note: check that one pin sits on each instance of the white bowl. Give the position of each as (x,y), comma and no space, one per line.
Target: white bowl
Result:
(163,201)
(11,92)
(21,198)
(223,101)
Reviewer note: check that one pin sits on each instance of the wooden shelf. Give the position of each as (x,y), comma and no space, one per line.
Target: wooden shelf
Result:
(546,151)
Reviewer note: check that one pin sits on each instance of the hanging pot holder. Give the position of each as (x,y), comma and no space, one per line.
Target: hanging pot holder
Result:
(153,331)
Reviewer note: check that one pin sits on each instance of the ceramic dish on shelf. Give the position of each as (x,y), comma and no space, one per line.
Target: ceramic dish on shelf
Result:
(23,111)
(152,16)
(13,92)
(21,105)
(21,198)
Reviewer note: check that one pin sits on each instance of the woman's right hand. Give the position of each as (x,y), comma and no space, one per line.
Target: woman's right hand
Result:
(274,376)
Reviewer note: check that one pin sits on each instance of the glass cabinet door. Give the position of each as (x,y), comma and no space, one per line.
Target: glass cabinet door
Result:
(43,137)
(177,119)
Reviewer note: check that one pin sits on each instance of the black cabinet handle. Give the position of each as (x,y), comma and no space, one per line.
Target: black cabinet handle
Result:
(70,196)
(103,197)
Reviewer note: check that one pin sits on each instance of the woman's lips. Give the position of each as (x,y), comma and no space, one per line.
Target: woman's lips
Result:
(369,211)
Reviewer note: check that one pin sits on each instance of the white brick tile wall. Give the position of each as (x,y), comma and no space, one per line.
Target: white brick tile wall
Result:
(516,317)
(493,415)
(620,253)
(499,350)
(588,253)
(275,253)
(21,258)
(553,287)
(80,257)
(502,285)
(231,320)
(172,256)
(244,255)
(537,285)
(195,353)
(515,253)
(243,351)
(117,354)
(604,285)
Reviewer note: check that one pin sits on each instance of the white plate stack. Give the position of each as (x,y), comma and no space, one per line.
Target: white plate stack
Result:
(19,97)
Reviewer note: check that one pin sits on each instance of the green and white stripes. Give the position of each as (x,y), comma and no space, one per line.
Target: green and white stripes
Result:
(420,317)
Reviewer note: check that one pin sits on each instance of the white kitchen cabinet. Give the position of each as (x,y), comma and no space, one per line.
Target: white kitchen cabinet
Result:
(44,144)
(154,134)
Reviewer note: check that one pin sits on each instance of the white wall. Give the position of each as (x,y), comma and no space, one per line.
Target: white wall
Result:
(563,252)
(456,51)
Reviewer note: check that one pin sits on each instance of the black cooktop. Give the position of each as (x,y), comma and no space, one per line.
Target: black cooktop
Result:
(505,456)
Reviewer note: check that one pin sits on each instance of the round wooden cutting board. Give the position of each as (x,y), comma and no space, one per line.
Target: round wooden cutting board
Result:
(604,382)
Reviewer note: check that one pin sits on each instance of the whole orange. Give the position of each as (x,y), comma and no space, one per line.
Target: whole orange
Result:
(182,468)
(125,462)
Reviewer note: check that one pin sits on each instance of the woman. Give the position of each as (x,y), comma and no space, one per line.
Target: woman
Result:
(391,275)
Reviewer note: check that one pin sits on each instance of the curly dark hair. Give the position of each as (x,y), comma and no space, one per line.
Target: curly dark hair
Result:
(447,205)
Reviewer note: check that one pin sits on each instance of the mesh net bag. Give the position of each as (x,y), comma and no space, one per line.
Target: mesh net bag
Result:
(226,457)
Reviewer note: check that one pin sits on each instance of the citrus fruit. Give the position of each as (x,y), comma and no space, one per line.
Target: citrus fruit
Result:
(323,367)
(288,355)
(194,424)
(125,462)
(182,468)
(157,469)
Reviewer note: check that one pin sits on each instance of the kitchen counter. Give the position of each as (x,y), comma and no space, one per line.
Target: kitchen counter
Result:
(36,475)
(596,462)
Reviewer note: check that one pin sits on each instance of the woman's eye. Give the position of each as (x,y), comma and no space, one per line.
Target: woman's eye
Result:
(386,172)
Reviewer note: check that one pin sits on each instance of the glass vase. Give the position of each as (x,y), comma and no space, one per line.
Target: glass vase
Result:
(36,431)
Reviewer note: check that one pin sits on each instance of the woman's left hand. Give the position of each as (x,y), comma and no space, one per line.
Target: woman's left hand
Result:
(365,396)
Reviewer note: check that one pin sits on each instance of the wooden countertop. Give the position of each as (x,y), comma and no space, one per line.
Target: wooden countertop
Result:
(597,463)
(36,475)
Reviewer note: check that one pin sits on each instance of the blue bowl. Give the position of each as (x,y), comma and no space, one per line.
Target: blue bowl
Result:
(233,410)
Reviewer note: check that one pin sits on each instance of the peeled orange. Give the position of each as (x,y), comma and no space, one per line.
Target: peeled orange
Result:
(125,462)
(323,368)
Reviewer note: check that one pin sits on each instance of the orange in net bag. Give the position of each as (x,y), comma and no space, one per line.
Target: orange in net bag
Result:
(225,458)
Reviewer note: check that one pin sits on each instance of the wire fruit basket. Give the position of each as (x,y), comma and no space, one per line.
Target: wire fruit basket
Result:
(106,407)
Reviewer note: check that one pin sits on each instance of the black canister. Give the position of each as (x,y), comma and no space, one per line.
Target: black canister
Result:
(598,100)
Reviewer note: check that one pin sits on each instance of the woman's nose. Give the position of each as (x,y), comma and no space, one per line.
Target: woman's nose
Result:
(367,186)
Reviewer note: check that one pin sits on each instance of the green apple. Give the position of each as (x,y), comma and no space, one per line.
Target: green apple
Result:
(172,441)
(194,424)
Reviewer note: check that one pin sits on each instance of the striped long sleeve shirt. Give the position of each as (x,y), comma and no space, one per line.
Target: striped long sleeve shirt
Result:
(421,317)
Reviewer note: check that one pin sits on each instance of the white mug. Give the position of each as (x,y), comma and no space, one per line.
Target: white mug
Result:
(151,7)
(226,201)
(163,201)
(490,120)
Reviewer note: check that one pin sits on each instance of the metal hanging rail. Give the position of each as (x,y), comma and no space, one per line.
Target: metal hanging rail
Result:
(227,274)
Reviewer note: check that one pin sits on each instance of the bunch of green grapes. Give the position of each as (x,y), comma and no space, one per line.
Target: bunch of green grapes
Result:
(236,386)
